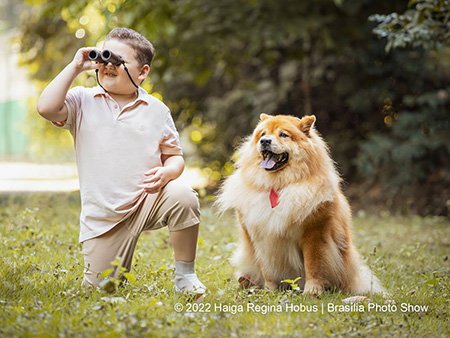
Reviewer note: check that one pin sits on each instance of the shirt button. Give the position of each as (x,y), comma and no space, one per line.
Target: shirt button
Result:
(116,106)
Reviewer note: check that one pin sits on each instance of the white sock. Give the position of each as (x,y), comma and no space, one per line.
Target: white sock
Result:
(183,268)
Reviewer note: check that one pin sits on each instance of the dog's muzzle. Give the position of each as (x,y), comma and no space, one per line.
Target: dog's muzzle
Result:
(271,161)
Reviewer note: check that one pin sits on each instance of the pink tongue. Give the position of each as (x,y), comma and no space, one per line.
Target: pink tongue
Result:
(267,163)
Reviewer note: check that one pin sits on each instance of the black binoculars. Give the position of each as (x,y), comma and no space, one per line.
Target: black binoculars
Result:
(105,57)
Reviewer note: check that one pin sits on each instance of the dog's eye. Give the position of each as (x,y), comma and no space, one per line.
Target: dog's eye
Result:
(263,133)
(283,134)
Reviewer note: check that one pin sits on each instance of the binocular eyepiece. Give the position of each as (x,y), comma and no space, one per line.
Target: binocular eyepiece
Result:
(105,57)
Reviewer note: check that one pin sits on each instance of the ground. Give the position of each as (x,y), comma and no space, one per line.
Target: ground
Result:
(41,269)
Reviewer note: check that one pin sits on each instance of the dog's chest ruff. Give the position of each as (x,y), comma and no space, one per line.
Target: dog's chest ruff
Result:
(270,211)
(277,211)
(295,203)
(265,209)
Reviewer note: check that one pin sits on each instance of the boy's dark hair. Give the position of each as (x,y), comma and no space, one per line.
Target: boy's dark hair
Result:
(144,48)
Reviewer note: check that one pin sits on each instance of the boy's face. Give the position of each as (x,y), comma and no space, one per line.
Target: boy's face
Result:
(114,78)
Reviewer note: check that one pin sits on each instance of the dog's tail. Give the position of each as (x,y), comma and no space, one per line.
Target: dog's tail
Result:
(366,282)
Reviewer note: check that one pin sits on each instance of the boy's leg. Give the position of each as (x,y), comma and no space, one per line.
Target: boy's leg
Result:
(117,245)
(115,248)
(184,243)
(177,207)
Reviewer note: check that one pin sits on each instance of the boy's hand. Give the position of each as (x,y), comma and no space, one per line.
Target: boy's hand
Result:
(81,60)
(158,177)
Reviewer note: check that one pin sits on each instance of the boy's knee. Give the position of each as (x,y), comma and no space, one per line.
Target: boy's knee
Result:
(183,195)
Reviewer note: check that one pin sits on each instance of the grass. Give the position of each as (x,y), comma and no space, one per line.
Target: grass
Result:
(41,269)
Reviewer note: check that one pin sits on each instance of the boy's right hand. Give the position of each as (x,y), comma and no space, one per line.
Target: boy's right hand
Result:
(51,102)
(81,60)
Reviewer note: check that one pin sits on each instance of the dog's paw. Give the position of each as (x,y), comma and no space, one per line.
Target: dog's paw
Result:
(313,287)
(246,283)
(271,285)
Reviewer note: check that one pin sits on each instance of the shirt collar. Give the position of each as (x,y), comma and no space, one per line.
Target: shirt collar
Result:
(142,94)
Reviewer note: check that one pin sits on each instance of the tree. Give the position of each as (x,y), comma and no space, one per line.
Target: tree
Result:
(426,24)
(220,64)
(411,160)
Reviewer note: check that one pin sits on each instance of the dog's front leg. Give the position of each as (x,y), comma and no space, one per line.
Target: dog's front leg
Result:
(314,249)
(249,271)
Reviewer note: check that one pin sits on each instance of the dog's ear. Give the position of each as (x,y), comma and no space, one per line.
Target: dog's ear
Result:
(263,117)
(306,123)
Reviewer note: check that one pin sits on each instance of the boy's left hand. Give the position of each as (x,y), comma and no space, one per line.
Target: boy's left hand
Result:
(158,177)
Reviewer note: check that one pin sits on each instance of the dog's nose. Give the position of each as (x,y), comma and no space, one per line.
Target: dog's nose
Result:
(265,141)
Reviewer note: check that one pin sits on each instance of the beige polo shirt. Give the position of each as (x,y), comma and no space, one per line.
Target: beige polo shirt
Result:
(114,148)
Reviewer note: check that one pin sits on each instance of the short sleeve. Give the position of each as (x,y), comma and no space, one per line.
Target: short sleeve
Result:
(170,142)
(73,104)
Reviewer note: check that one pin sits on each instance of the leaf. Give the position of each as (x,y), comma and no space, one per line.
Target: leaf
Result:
(107,272)
(130,277)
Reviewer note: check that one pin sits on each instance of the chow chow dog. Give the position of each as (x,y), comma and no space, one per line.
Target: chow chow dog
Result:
(294,219)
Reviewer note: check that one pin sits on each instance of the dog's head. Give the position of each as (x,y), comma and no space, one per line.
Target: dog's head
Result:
(283,150)
(279,139)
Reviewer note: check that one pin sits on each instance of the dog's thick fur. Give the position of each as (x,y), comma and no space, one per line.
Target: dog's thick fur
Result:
(308,233)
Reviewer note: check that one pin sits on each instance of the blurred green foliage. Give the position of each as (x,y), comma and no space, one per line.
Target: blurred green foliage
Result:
(219,64)
(426,23)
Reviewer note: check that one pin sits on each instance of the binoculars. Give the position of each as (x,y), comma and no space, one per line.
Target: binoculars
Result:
(105,57)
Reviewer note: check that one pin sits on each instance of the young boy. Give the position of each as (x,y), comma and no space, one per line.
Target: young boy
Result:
(128,157)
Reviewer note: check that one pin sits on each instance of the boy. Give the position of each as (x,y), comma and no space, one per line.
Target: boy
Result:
(128,157)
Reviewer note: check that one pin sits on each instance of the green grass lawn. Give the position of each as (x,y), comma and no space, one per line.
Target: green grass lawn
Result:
(41,270)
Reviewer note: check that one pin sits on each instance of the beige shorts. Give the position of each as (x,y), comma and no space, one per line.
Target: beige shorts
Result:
(176,207)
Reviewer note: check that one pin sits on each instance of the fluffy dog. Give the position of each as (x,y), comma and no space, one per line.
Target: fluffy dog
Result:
(294,219)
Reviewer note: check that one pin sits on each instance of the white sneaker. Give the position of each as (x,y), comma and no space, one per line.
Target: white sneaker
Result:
(189,282)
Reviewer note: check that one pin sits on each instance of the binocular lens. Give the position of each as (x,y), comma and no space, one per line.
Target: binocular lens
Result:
(105,57)
(95,56)
(106,54)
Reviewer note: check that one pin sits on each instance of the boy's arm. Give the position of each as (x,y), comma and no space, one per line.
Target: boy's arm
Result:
(158,177)
(51,102)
